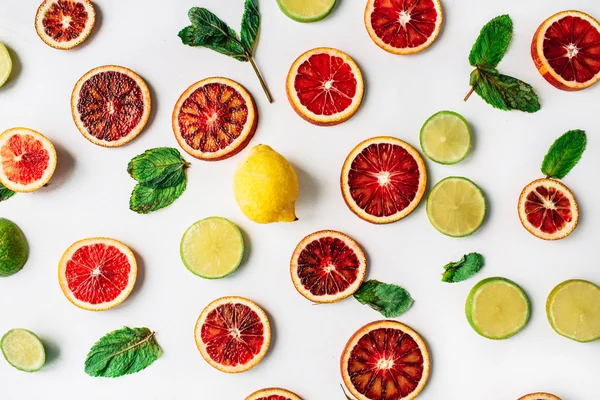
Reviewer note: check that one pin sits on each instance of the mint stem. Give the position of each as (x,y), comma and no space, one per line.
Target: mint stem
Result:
(470,93)
(261,79)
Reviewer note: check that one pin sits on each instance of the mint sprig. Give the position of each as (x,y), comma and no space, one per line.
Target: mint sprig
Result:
(564,154)
(463,269)
(5,193)
(390,300)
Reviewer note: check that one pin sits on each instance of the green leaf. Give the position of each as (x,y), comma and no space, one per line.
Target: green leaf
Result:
(5,193)
(145,199)
(504,92)
(466,267)
(250,25)
(122,352)
(390,300)
(492,43)
(564,154)
(160,167)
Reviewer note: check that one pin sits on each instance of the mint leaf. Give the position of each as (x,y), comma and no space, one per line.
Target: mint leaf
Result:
(250,25)
(390,300)
(466,267)
(160,167)
(492,43)
(145,199)
(5,193)
(122,352)
(504,92)
(564,154)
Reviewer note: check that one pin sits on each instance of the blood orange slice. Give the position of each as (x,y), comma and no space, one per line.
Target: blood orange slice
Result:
(97,274)
(110,105)
(27,159)
(64,24)
(214,119)
(273,394)
(328,266)
(548,209)
(539,396)
(325,86)
(383,180)
(233,334)
(385,360)
(403,27)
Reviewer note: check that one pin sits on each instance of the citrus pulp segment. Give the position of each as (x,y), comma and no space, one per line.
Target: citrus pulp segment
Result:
(27,159)
(214,119)
(497,308)
(385,360)
(566,50)
(273,394)
(97,274)
(233,334)
(23,350)
(5,64)
(383,180)
(456,207)
(403,27)
(328,266)
(573,310)
(325,86)
(110,105)
(306,10)
(548,209)
(540,396)
(64,24)
(446,138)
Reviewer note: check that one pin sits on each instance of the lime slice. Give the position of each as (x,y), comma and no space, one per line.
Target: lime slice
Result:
(5,64)
(212,248)
(497,308)
(306,10)
(23,350)
(456,206)
(573,310)
(446,138)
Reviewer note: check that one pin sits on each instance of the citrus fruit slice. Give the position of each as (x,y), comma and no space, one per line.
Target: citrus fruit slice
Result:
(97,274)
(5,64)
(64,24)
(403,27)
(325,86)
(497,308)
(273,394)
(306,10)
(27,159)
(212,248)
(110,105)
(446,138)
(328,266)
(566,50)
(233,334)
(456,206)
(539,396)
(548,209)
(23,350)
(14,250)
(385,360)
(383,180)
(573,310)
(214,119)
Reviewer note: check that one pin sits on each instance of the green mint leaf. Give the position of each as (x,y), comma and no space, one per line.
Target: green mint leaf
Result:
(158,168)
(145,199)
(564,154)
(492,43)
(250,25)
(5,193)
(466,267)
(122,352)
(504,92)
(390,300)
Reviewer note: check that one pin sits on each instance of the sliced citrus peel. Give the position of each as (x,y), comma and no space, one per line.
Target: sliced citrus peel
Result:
(65,24)
(273,394)
(539,396)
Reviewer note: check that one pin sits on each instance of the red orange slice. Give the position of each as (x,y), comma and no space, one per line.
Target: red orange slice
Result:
(64,24)
(273,394)
(539,396)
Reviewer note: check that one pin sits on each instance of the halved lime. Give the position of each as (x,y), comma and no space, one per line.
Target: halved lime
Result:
(497,308)
(306,10)
(23,350)
(5,64)
(573,310)
(456,206)
(446,138)
(212,248)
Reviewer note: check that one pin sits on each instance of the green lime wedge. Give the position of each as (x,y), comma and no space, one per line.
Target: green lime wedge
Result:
(573,310)
(212,248)
(306,10)
(23,350)
(456,206)
(497,308)
(5,64)
(446,138)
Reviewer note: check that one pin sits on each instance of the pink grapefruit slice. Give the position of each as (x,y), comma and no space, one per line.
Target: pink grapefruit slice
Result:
(539,396)
(273,394)
(64,24)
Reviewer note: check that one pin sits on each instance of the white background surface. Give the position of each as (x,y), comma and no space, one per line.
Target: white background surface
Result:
(89,193)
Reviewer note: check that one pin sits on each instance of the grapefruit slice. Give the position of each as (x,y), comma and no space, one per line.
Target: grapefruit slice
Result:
(97,274)
(273,394)
(548,209)
(110,105)
(383,180)
(325,86)
(403,27)
(27,159)
(64,24)
(385,360)
(566,50)
(539,396)
(233,334)
(328,266)
(214,119)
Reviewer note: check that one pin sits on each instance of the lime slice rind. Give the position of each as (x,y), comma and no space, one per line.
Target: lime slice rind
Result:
(5,64)
(23,350)
(446,138)
(306,10)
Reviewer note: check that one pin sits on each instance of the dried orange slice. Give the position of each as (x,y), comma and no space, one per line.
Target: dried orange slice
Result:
(539,396)
(64,24)
(273,394)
